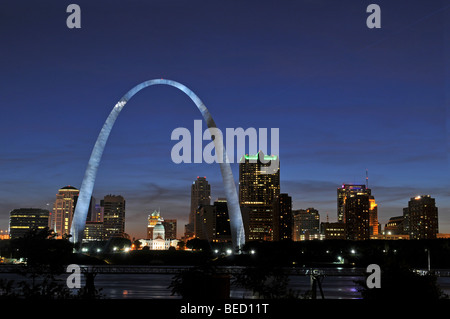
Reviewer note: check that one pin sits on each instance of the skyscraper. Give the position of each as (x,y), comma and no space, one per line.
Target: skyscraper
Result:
(22,220)
(356,213)
(222,231)
(204,222)
(212,222)
(282,218)
(257,192)
(422,217)
(63,209)
(200,195)
(256,187)
(170,227)
(357,209)
(113,216)
(345,191)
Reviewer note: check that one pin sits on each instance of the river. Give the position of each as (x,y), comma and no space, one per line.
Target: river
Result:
(156,286)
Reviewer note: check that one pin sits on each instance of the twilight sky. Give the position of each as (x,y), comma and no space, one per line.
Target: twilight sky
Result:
(345,98)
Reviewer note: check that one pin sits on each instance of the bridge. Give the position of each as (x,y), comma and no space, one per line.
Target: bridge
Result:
(230,270)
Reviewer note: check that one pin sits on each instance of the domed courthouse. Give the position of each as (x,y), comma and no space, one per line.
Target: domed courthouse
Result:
(157,234)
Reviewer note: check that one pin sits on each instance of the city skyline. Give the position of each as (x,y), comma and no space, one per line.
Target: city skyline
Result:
(184,230)
(346,99)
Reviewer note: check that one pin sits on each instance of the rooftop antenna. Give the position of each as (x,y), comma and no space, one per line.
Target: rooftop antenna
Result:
(367,178)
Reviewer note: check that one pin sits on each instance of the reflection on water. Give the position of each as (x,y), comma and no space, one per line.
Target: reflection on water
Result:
(146,286)
(156,286)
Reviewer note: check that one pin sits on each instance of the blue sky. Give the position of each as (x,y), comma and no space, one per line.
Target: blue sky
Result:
(345,98)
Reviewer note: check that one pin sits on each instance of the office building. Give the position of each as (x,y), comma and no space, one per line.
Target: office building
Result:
(94,231)
(356,213)
(200,196)
(23,220)
(343,192)
(306,224)
(357,209)
(422,217)
(333,230)
(170,228)
(259,186)
(222,231)
(63,209)
(113,216)
(204,222)
(282,218)
(212,222)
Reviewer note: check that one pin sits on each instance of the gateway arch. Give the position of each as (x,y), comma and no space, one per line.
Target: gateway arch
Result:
(87,186)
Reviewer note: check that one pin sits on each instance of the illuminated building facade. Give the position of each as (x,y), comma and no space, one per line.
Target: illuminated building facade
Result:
(94,231)
(357,209)
(158,240)
(422,217)
(63,210)
(374,226)
(306,224)
(343,192)
(22,220)
(113,216)
(333,230)
(257,193)
(153,219)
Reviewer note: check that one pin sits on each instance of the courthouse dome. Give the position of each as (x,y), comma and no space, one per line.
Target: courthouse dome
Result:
(159,231)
